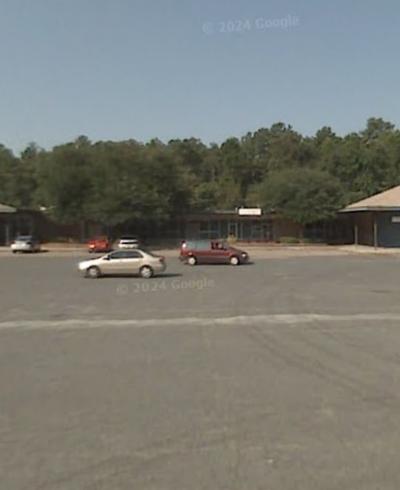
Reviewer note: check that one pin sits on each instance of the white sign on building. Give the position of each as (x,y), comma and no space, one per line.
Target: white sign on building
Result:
(250,211)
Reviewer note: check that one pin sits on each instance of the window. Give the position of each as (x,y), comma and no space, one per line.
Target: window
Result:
(223,229)
(24,225)
(315,231)
(217,246)
(268,230)
(117,255)
(133,254)
(209,229)
(202,245)
(125,254)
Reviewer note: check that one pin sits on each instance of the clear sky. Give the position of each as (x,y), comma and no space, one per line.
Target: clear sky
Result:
(118,69)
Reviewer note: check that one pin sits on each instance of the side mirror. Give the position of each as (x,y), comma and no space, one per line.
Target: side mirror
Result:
(107,257)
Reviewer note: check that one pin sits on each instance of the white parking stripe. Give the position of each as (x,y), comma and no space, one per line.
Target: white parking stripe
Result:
(245,320)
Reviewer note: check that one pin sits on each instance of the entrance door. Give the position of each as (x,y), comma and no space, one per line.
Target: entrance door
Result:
(233,229)
(5,232)
(3,238)
(268,230)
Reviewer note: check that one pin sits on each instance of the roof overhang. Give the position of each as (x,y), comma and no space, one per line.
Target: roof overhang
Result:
(370,208)
(4,209)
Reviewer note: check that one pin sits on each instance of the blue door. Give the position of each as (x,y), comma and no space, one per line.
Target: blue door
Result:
(388,229)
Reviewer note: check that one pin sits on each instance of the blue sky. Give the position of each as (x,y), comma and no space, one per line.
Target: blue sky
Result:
(118,69)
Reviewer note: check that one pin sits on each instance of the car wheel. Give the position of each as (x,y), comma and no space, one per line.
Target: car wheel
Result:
(93,272)
(146,271)
(192,260)
(234,260)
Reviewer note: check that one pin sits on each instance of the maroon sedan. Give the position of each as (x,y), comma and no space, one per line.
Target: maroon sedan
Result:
(211,252)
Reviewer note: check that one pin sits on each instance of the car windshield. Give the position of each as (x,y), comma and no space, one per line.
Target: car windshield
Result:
(24,238)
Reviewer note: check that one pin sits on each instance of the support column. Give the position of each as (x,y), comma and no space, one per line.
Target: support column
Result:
(7,237)
(355,234)
(375,232)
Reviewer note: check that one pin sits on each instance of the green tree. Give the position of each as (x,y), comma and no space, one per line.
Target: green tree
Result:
(115,194)
(17,179)
(8,174)
(64,182)
(376,127)
(302,195)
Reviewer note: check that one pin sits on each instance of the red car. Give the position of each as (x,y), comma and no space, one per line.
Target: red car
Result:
(211,252)
(99,245)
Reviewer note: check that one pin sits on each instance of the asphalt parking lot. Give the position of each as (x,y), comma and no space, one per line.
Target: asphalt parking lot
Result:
(282,374)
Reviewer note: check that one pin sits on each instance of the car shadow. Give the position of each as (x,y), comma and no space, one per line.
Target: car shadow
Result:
(137,276)
(217,264)
(171,274)
(30,252)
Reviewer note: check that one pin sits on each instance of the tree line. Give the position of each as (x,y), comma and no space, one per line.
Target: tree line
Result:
(304,178)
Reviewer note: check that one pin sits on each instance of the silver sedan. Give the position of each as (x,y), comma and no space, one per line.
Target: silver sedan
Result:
(25,243)
(124,262)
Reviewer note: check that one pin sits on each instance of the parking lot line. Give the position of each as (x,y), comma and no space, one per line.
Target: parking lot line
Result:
(243,320)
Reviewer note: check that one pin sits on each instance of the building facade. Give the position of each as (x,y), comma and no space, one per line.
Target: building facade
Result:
(260,227)
(247,225)
(226,224)
(14,222)
(376,220)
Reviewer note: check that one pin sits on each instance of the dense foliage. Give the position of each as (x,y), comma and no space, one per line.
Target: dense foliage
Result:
(304,178)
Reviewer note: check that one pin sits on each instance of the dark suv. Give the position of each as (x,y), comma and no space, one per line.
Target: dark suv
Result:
(211,252)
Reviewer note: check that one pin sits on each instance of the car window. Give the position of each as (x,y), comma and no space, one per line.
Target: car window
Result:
(203,246)
(116,255)
(125,254)
(133,254)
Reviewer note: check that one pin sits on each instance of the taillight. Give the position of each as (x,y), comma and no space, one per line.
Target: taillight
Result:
(161,259)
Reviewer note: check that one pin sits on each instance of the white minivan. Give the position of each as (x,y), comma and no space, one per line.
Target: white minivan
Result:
(128,242)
